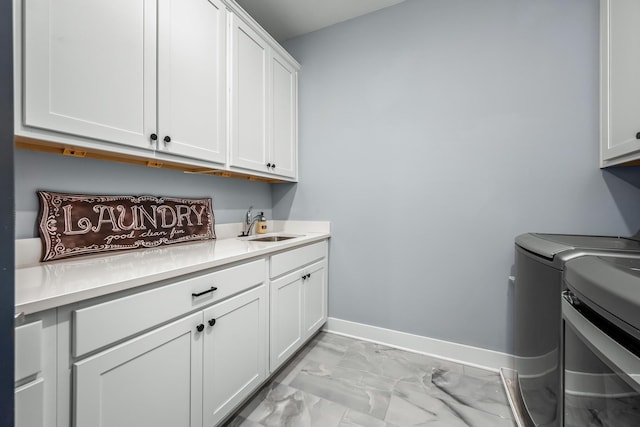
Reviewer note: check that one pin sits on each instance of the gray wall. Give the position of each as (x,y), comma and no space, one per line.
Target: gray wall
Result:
(40,171)
(434,132)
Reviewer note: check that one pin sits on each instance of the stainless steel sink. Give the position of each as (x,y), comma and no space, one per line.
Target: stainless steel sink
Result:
(271,238)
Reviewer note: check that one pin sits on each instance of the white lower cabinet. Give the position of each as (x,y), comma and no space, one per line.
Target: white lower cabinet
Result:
(191,372)
(298,300)
(314,298)
(35,371)
(184,353)
(29,408)
(150,380)
(286,318)
(235,352)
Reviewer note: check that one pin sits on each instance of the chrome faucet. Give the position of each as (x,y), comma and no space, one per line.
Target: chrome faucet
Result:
(246,223)
(253,221)
(249,221)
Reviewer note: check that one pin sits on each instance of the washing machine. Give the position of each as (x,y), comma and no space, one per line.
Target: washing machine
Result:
(535,384)
(601,309)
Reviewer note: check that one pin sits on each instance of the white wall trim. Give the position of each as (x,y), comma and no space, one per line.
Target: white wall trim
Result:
(460,353)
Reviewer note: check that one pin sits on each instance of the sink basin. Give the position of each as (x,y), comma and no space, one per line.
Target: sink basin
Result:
(271,238)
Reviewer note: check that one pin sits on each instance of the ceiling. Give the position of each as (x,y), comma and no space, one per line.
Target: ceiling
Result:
(285,19)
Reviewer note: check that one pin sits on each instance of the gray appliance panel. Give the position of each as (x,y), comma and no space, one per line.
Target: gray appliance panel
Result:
(611,283)
(556,249)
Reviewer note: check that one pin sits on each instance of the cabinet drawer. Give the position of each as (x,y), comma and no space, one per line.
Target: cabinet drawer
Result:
(28,343)
(296,258)
(102,324)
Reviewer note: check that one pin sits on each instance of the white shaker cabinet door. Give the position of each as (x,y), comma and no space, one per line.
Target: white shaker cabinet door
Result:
(192,79)
(29,405)
(153,380)
(249,93)
(314,298)
(286,318)
(284,112)
(235,352)
(90,68)
(620,81)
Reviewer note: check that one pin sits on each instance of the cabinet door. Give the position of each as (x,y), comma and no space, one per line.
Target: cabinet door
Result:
(35,370)
(153,380)
(29,403)
(620,75)
(284,111)
(286,318)
(235,352)
(192,78)
(90,68)
(249,68)
(314,298)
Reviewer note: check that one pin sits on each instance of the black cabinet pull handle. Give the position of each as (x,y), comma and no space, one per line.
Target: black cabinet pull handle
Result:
(638,135)
(167,139)
(153,137)
(212,322)
(200,327)
(199,294)
(306,276)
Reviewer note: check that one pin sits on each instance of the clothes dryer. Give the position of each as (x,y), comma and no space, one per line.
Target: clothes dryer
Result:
(535,386)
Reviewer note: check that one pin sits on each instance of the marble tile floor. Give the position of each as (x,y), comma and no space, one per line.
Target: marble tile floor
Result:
(335,381)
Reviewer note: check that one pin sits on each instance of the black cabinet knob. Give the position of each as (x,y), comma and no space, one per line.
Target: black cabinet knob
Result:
(273,165)
(638,135)
(167,139)
(153,137)
(200,327)
(268,165)
(212,322)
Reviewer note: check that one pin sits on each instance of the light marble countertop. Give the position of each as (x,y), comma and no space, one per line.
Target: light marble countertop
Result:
(41,286)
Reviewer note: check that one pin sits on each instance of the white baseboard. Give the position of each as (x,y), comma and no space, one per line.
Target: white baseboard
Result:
(460,353)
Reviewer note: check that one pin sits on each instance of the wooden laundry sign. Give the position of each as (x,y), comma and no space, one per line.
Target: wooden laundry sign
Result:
(77,224)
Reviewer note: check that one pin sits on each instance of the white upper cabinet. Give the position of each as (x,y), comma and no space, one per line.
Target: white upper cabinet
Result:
(249,120)
(89,72)
(284,117)
(192,79)
(620,81)
(263,105)
(196,83)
